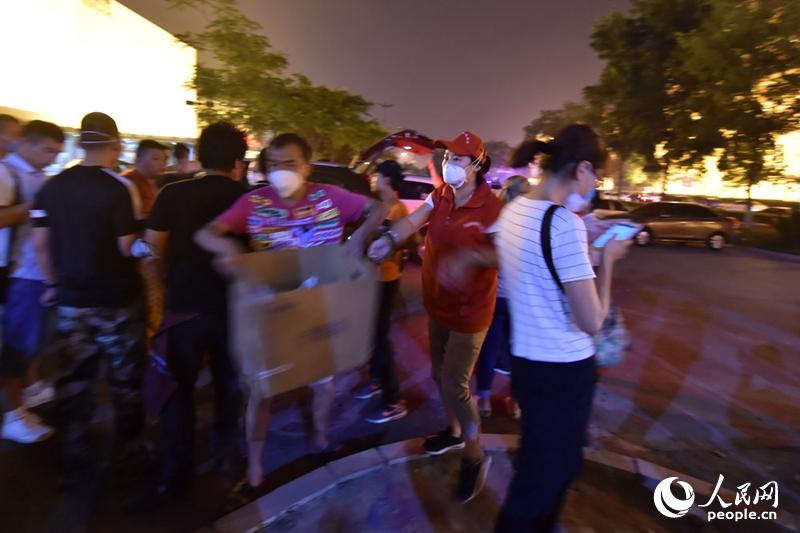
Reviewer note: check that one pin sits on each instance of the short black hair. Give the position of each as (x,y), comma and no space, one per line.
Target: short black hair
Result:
(286,139)
(180,151)
(36,130)
(7,119)
(220,146)
(392,170)
(148,144)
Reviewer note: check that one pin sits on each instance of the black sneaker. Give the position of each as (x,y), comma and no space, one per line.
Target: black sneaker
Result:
(472,477)
(442,442)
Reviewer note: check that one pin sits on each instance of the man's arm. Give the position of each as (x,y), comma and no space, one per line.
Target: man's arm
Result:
(228,251)
(401,231)
(10,215)
(213,238)
(376,213)
(14,215)
(157,241)
(41,249)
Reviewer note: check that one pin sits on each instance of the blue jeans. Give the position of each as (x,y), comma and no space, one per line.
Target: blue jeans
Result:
(25,326)
(496,350)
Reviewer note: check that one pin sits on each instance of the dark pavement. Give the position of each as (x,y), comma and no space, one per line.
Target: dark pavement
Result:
(710,387)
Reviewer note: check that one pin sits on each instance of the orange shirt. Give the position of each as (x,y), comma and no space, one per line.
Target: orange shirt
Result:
(452,231)
(390,270)
(147,189)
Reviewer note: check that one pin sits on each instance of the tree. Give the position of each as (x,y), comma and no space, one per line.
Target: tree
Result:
(499,151)
(551,121)
(632,99)
(244,79)
(737,113)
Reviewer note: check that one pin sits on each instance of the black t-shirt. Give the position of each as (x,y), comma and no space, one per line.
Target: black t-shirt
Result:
(87,208)
(181,209)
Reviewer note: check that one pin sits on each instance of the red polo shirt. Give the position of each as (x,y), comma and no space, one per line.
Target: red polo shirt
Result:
(451,231)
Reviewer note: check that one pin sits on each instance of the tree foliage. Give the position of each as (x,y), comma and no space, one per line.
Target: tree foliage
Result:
(243,79)
(551,121)
(499,152)
(688,79)
(742,64)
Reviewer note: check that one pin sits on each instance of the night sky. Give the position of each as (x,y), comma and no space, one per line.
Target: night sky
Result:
(445,65)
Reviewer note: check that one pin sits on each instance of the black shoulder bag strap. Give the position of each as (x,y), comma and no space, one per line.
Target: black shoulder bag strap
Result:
(547,245)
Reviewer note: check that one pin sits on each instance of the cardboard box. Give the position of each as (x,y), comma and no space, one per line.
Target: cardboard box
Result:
(295,336)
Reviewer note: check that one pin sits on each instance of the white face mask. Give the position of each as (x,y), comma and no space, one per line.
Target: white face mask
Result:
(454,175)
(577,203)
(285,182)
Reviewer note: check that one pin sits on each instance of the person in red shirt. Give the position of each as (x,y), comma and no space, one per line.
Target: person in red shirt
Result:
(458,214)
(151,161)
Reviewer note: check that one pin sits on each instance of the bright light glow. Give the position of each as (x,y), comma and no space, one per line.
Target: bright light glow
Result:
(65,58)
(790,146)
(710,182)
(408,147)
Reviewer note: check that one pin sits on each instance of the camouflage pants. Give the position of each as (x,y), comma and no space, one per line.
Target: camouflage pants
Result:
(89,337)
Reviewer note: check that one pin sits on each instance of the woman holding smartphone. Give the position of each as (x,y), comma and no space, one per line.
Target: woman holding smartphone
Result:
(557,304)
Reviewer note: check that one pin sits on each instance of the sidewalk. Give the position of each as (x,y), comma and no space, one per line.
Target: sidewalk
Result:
(392,489)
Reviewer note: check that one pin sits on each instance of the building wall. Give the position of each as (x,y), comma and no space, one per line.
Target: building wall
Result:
(65,58)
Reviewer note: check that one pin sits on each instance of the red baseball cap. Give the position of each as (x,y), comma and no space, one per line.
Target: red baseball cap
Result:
(466,143)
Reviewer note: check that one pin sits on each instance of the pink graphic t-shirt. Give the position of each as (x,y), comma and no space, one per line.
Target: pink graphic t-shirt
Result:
(272,224)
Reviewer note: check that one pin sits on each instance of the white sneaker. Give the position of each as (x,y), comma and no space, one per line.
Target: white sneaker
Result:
(37,394)
(20,426)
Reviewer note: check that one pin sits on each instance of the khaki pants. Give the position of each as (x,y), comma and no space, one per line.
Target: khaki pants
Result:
(453,358)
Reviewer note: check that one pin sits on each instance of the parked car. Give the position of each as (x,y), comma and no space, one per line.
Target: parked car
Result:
(606,207)
(680,222)
(414,190)
(340,175)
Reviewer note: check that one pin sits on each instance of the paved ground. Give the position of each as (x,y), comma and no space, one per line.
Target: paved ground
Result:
(416,497)
(711,387)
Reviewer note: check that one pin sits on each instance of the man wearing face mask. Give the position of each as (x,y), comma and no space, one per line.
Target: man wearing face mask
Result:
(288,213)
(458,213)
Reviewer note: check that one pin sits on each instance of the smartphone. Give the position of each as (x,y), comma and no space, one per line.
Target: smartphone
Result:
(621,231)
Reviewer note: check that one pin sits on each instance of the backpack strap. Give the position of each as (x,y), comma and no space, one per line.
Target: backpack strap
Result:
(547,246)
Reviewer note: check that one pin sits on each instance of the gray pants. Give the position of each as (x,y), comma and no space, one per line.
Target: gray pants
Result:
(453,359)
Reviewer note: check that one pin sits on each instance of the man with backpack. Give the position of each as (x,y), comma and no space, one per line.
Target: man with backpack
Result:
(25,318)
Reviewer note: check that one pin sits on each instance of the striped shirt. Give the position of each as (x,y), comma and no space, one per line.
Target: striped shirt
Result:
(543,328)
